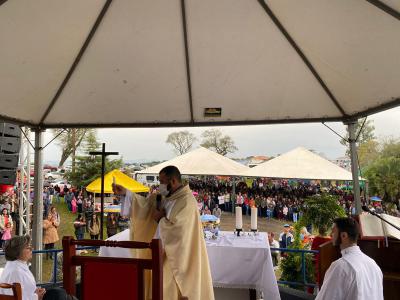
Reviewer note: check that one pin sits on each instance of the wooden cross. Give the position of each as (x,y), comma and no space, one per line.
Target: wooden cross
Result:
(103,154)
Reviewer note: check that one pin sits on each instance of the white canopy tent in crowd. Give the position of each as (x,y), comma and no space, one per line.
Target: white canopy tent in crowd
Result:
(201,161)
(300,163)
(141,63)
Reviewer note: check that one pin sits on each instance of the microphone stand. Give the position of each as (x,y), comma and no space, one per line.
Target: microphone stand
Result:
(378,216)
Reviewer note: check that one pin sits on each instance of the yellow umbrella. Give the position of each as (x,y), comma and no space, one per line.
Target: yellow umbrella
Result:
(121,179)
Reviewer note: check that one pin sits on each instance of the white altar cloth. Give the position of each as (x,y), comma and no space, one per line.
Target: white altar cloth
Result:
(235,262)
(242,262)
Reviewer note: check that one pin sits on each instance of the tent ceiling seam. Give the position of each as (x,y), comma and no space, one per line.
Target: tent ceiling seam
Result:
(384,7)
(388,105)
(76,61)
(189,124)
(291,41)
(187,61)
(17,121)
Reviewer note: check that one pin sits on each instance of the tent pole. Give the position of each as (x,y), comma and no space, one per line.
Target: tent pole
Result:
(233,195)
(37,230)
(354,164)
(103,170)
(25,184)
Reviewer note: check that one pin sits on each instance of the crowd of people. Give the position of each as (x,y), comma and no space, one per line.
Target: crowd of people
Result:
(76,201)
(273,199)
(278,199)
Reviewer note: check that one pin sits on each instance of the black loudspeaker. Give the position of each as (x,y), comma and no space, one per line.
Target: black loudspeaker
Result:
(8,161)
(10,144)
(7,129)
(8,177)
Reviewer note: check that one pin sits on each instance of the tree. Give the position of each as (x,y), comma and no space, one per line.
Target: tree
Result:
(366,134)
(88,167)
(182,141)
(291,264)
(70,140)
(320,211)
(383,173)
(368,152)
(213,139)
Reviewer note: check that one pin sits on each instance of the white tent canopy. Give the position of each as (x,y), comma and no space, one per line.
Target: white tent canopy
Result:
(201,162)
(300,163)
(145,63)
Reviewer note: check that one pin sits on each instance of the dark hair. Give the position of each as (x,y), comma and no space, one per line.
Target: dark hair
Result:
(322,230)
(14,247)
(348,225)
(172,172)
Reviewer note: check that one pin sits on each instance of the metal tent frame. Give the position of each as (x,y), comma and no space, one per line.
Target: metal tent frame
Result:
(347,118)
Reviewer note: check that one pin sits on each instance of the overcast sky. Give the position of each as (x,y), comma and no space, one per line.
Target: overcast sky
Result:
(149,144)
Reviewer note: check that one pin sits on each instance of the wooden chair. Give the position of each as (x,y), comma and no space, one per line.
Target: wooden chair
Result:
(112,277)
(16,288)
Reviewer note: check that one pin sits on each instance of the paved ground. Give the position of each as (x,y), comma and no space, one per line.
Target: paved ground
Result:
(228,222)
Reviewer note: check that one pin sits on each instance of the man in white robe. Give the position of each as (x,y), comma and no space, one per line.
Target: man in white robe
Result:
(355,276)
(176,221)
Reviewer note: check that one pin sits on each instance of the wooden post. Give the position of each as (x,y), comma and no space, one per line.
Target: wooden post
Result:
(69,270)
(156,257)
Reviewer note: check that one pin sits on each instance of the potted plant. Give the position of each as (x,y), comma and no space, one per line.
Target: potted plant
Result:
(320,211)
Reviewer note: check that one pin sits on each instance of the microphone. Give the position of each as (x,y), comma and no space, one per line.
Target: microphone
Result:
(373,212)
(365,208)
(158,200)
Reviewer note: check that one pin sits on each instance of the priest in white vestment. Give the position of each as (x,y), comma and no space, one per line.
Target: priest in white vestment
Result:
(175,220)
(355,276)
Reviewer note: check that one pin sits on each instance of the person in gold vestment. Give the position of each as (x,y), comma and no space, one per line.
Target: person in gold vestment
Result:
(176,221)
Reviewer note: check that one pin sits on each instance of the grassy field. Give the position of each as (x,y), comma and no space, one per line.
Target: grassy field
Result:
(66,228)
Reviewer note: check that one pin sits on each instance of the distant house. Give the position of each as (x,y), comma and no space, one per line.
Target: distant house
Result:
(343,161)
(256,160)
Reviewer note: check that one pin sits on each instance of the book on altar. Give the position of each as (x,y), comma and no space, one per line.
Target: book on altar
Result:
(373,228)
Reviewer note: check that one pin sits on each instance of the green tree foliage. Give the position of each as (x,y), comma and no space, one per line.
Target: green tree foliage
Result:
(70,141)
(320,211)
(367,134)
(214,139)
(383,173)
(88,167)
(182,141)
(291,264)
(368,152)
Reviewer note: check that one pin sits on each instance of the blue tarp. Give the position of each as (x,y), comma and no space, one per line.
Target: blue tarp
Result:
(375,198)
(208,218)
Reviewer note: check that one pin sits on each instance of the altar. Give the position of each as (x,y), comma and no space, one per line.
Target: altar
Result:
(236,262)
